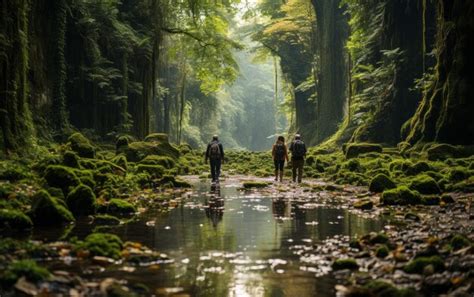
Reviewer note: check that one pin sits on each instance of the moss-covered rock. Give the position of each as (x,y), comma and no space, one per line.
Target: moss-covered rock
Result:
(255,184)
(61,177)
(458,174)
(120,207)
(157,137)
(174,182)
(466,186)
(164,161)
(81,145)
(425,184)
(384,289)
(364,204)
(46,210)
(418,168)
(430,200)
(443,151)
(122,143)
(400,196)
(105,219)
(14,219)
(81,200)
(155,171)
(121,161)
(102,244)
(14,172)
(23,268)
(378,238)
(355,149)
(380,183)
(137,151)
(349,263)
(418,265)
(382,251)
(71,159)
(459,241)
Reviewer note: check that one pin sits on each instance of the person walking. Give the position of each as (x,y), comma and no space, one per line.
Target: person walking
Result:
(215,154)
(279,154)
(298,153)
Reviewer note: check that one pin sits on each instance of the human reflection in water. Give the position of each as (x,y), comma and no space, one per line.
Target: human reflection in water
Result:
(215,205)
(281,208)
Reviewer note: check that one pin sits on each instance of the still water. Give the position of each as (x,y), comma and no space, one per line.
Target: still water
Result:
(226,242)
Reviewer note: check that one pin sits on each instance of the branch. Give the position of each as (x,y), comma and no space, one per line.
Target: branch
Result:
(187,33)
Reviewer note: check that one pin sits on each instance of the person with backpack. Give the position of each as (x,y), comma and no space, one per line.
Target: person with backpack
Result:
(215,154)
(279,154)
(298,153)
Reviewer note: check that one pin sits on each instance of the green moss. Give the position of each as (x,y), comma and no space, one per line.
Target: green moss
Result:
(157,137)
(6,189)
(378,238)
(14,219)
(137,151)
(102,244)
(56,193)
(61,177)
(81,145)
(24,268)
(121,161)
(382,251)
(255,184)
(14,172)
(418,168)
(430,200)
(164,161)
(425,184)
(105,219)
(81,200)
(46,210)
(418,265)
(340,264)
(71,159)
(155,171)
(352,165)
(458,174)
(120,207)
(380,183)
(122,143)
(355,149)
(459,241)
(400,164)
(400,196)
(174,182)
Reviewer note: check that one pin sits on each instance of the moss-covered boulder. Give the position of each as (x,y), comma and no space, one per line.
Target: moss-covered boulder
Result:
(458,174)
(137,151)
(46,210)
(155,171)
(401,195)
(417,168)
(121,161)
(105,219)
(23,268)
(384,289)
(418,265)
(14,219)
(71,159)
(382,251)
(61,177)
(120,207)
(443,151)
(380,183)
(164,161)
(341,264)
(459,241)
(355,149)
(157,137)
(81,145)
(255,184)
(14,172)
(81,200)
(122,143)
(102,244)
(466,186)
(174,182)
(425,184)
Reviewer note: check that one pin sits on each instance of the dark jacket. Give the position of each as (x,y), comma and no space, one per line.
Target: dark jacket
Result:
(208,150)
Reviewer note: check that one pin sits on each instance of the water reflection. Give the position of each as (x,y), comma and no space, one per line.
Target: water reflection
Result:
(215,205)
(281,208)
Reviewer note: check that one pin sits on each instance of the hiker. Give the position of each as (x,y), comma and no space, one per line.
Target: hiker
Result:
(279,154)
(298,153)
(215,153)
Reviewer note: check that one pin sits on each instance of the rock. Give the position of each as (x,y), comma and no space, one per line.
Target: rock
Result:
(380,183)
(436,284)
(137,151)
(446,198)
(61,177)
(81,201)
(155,171)
(378,238)
(102,244)
(364,204)
(400,196)
(102,261)
(106,220)
(157,137)
(355,149)
(46,210)
(418,265)
(459,241)
(255,184)
(425,184)
(120,207)
(26,287)
(71,159)
(382,251)
(412,216)
(14,219)
(164,161)
(81,145)
(341,264)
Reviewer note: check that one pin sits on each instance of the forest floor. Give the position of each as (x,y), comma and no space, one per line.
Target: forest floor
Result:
(74,218)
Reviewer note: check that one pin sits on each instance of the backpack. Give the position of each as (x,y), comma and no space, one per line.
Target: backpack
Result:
(215,150)
(279,151)
(299,149)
